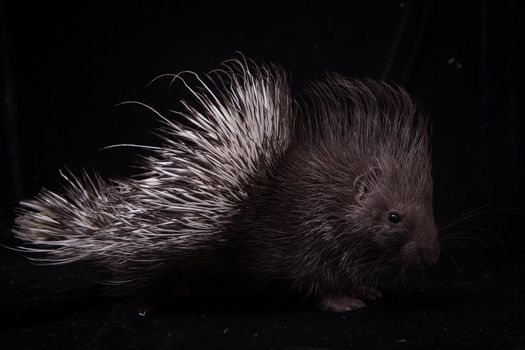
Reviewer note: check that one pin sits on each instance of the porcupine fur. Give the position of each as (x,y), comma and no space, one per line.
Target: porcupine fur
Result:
(256,181)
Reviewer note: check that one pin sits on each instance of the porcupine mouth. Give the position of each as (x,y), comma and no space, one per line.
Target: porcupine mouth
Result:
(402,258)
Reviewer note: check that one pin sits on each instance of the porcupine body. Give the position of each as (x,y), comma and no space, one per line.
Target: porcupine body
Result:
(323,197)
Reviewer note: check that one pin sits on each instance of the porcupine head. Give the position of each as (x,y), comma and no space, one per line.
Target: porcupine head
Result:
(325,192)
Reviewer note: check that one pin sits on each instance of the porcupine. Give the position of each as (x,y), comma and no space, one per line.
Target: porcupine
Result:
(321,192)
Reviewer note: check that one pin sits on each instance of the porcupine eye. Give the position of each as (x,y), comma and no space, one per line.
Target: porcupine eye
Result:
(394,217)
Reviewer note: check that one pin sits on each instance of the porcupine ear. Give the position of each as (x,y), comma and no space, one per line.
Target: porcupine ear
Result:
(364,183)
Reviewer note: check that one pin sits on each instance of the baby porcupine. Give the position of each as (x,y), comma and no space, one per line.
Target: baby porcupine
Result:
(321,193)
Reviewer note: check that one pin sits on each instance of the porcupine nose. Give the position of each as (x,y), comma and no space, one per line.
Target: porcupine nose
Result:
(423,252)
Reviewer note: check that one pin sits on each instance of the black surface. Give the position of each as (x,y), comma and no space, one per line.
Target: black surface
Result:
(63,69)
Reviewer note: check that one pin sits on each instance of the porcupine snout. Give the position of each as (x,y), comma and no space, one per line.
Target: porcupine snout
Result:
(424,251)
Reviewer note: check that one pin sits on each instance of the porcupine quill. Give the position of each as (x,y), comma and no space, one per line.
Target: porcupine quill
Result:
(323,192)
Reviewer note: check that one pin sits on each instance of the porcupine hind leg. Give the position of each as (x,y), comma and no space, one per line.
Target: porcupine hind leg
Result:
(355,300)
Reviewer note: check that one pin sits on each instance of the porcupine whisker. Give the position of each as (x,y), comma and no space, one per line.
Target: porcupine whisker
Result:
(467,216)
(453,244)
(476,213)
(456,266)
(473,229)
(460,224)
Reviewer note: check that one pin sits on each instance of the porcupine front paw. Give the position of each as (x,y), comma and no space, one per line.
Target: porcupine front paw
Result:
(353,301)
(366,293)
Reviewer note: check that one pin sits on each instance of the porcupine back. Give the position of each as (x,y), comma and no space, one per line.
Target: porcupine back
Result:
(239,124)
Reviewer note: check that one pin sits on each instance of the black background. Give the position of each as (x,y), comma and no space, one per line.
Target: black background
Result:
(65,67)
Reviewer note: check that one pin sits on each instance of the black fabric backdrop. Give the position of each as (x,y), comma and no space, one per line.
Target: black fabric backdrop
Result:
(65,67)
